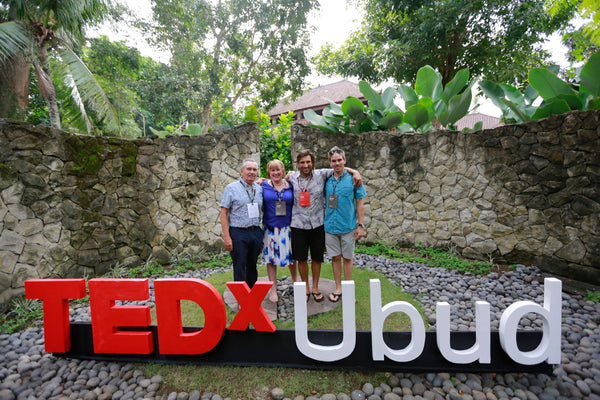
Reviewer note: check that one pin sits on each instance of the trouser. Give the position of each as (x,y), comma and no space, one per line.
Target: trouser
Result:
(247,245)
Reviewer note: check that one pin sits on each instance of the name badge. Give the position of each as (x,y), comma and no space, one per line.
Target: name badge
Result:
(253,210)
(280,208)
(304,199)
(333,201)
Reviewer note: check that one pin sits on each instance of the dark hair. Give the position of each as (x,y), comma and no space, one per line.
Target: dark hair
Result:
(305,153)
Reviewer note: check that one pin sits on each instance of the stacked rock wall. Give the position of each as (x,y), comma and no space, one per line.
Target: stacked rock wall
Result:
(526,193)
(74,205)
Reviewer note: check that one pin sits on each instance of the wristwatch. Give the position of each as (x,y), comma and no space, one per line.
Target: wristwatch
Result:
(361,225)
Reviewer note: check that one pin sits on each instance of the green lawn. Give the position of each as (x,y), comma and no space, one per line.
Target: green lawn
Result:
(255,382)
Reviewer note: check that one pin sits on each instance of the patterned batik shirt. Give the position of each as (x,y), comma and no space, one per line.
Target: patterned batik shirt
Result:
(310,217)
(236,197)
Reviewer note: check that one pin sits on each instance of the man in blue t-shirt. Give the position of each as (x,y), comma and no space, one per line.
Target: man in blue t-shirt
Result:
(344,208)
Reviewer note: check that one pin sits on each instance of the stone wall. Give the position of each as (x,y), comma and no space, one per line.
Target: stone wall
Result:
(73,205)
(524,193)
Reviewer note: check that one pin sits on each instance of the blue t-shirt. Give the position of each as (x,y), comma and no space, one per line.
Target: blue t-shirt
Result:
(270,197)
(342,219)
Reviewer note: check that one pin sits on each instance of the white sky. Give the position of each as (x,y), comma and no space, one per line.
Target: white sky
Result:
(333,22)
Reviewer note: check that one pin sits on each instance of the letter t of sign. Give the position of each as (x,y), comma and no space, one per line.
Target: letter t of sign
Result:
(55,294)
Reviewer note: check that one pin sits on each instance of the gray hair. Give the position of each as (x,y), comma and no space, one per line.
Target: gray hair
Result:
(247,160)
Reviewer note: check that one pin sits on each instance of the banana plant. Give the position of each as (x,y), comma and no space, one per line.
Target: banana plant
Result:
(557,95)
(430,101)
(560,97)
(516,107)
(352,116)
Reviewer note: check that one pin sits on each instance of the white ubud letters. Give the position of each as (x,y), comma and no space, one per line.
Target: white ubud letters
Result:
(378,316)
(320,352)
(549,347)
(480,351)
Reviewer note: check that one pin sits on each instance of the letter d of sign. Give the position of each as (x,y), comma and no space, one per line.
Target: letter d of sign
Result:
(171,338)
(549,347)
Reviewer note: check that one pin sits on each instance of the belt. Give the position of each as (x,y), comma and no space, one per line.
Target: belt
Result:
(248,228)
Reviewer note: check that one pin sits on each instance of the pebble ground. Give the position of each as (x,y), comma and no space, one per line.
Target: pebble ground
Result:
(28,373)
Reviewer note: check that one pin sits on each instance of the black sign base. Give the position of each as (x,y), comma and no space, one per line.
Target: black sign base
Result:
(278,349)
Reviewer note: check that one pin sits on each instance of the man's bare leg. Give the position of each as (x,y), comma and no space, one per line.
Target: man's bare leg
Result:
(336,264)
(303,270)
(315,267)
(293,272)
(348,264)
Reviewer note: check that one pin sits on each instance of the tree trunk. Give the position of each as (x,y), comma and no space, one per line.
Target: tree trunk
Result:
(14,88)
(47,89)
(206,118)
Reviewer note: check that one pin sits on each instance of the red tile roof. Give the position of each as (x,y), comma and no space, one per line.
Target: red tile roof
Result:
(316,98)
(468,121)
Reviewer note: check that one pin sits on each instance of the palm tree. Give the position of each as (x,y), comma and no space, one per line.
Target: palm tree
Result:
(29,30)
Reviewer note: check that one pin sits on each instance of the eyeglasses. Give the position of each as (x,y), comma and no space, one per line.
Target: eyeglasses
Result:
(335,151)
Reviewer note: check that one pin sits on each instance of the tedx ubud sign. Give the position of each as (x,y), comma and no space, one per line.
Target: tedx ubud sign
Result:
(122,332)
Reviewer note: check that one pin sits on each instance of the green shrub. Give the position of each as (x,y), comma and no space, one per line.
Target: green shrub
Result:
(275,139)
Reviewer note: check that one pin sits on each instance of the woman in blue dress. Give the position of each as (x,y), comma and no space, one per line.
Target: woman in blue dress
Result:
(278,198)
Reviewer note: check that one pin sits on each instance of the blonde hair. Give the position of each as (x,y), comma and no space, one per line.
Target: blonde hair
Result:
(336,149)
(273,164)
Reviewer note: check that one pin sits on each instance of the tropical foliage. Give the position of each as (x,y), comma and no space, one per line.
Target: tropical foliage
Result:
(589,11)
(275,138)
(429,104)
(43,34)
(229,50)
(352,116)
(557,96)
(497,39)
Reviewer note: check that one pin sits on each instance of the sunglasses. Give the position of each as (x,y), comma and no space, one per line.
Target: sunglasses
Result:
(336,151)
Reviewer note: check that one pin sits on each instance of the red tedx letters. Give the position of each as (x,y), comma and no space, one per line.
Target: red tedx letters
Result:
(109,320)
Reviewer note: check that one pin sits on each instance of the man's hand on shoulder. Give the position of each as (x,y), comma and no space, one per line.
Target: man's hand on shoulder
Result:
(356,178)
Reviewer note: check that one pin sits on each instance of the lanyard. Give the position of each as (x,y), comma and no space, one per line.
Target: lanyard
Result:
(247,192)
(279,194)
(338,180)
(307,183)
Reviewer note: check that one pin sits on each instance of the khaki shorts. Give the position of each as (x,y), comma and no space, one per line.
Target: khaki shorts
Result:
(340,244)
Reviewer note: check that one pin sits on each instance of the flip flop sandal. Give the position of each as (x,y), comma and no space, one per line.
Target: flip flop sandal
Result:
(318,296)
(334,297)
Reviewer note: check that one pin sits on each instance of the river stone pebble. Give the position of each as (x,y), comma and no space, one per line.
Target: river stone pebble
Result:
(26,372)
(368,389)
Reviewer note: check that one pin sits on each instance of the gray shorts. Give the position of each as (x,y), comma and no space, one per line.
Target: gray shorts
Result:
(340,244)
